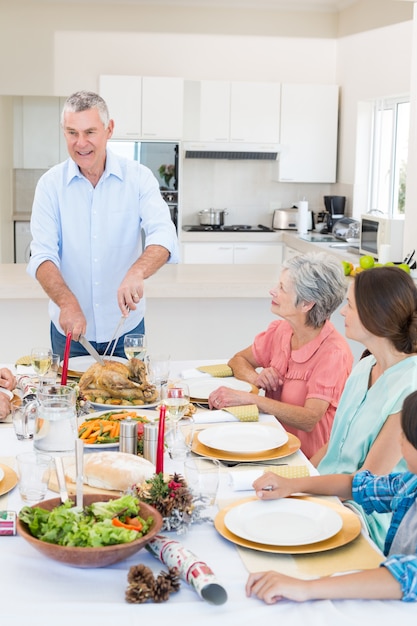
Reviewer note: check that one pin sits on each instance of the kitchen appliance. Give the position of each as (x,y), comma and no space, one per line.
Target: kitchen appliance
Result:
(231,150)
(286,219)
(346,229)
(380,230)
(211,217)
(157,156)
(234,228)
(335,210)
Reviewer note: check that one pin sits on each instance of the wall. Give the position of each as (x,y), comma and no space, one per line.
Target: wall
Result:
(55,50)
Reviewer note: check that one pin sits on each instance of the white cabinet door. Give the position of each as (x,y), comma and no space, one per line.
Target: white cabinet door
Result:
(207,110)
(123,95)
(258,253)
(212,253)
(255,112)
(37,131)
(162,108)
(309,118)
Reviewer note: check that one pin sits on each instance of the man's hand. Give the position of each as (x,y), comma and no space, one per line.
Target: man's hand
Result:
(72,319)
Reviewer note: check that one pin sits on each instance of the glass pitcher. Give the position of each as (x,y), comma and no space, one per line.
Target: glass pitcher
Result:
(56,420)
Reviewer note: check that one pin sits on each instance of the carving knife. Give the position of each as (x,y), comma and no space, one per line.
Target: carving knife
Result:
(92,351)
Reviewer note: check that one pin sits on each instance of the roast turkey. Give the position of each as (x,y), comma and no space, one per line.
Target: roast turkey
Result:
(120,381)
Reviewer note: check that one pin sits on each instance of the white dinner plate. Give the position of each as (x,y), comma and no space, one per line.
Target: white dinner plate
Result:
(6,392)
(286,522)
(150,415)
(82,363)
(1,474)
(243,437)
(202,388)
(130,407)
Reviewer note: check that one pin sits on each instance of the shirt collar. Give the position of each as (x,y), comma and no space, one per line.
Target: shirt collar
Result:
(305,353)
(113,167)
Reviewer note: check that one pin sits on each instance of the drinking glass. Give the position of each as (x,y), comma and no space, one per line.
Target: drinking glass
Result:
(51,375)
(202,475)
(158,369)
(175,396)
(135,346)
(41,362)
(33,469)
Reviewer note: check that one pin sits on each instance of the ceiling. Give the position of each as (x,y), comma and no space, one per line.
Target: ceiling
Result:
(327,6)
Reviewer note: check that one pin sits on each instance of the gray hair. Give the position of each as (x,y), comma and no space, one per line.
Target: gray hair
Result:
(83,101)
(317,278)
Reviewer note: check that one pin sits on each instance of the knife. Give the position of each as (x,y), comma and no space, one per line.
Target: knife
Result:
(59,467)
(92,351)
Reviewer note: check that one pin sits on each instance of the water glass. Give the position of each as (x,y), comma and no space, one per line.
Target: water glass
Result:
(202,475)
(24,419)
(56,421)
(158,366)
(33,469)
(51,376)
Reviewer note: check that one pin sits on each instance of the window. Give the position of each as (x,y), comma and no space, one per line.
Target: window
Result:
(389,156)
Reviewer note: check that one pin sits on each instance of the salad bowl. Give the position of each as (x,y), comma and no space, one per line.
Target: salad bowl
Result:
(87,557)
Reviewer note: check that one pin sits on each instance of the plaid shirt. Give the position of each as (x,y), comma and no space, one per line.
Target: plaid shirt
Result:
(384,494)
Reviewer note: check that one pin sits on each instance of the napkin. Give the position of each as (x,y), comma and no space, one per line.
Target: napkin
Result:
(244,413)
(218,371)
(242,480)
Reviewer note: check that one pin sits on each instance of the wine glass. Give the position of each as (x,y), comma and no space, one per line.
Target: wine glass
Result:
(135,346)
(175,396)
(41,362)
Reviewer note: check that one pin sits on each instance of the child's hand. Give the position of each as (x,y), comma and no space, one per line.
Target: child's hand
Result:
(270,486)
(272,587)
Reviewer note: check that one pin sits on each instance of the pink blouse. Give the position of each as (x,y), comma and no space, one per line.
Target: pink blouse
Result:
(317,370)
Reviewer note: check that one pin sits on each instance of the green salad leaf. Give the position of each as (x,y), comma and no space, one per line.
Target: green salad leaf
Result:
(66,525)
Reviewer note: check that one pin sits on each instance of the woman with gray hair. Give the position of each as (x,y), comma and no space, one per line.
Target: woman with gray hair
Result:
(305,362)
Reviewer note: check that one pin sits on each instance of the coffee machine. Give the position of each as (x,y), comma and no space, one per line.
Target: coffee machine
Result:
(335,210)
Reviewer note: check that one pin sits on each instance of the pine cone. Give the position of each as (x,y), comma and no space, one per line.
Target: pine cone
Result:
(173,577)
(161,589)
(141,574)
(138,593)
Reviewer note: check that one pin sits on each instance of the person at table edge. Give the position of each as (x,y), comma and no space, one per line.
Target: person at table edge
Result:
(7,381)
(87,218)
(396,578)
(305,361)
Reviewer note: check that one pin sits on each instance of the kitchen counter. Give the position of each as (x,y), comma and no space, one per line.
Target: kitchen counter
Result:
(295,241)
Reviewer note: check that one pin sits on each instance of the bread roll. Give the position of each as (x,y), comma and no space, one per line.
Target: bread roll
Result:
(115,471)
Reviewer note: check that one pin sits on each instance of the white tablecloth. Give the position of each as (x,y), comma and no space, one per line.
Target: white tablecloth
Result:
(40,592)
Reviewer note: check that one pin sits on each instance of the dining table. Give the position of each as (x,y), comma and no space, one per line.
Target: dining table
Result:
(39,591)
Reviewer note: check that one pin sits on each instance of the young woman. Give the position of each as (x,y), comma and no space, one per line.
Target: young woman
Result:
(305,362)
(396,578)
(381,313)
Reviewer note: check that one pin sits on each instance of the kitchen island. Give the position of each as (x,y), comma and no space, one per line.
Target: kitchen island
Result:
(193,311)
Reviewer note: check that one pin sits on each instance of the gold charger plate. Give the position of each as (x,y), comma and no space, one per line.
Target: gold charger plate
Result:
(9,481)
(293,444)
(350,530)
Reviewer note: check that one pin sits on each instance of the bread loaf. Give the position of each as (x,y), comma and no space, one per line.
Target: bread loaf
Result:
(115,471)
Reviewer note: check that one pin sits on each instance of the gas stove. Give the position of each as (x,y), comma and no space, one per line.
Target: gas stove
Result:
(235,228)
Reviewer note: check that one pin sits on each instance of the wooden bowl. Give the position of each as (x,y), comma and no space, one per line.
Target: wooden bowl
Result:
(91,557)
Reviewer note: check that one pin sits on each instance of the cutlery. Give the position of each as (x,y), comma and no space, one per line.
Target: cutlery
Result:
(79,462)
(115,337)
(92,351)
(59,466)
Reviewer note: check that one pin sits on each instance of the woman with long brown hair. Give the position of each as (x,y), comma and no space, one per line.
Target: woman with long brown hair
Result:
(381,313)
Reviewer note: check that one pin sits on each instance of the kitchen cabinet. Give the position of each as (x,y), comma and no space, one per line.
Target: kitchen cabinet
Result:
(221,111)
(308,137)
(39,142)
(123,96)
(232,253)
(144,107)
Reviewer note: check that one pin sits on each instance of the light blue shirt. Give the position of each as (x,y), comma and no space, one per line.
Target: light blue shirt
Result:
(360,415)
(93,235)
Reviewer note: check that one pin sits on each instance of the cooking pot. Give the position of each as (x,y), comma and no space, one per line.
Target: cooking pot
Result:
(211,217)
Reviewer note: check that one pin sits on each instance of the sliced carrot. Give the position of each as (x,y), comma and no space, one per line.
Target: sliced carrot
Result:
(116,522)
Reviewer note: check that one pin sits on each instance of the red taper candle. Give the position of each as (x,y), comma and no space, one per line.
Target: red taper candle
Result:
(66,359)
(161,441)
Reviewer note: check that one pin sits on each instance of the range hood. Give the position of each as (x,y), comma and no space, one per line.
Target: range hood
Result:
(231,150)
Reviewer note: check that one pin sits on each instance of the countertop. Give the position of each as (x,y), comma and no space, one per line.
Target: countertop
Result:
(171,281)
